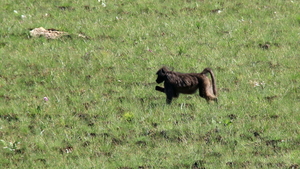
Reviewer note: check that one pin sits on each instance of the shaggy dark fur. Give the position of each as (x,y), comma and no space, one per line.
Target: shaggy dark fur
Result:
(187,83)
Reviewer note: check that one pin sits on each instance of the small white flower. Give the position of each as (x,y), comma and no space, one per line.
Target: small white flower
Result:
(23,16)
(15,11)
(102,2)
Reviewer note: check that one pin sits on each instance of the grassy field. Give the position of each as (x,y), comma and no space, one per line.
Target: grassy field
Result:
(90,102)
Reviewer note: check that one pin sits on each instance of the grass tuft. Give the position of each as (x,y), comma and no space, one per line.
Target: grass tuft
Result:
(87,100)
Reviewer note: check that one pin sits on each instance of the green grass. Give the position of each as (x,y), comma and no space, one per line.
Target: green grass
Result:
(103,111)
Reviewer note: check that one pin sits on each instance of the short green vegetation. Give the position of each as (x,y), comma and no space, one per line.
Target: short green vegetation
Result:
(88,101)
